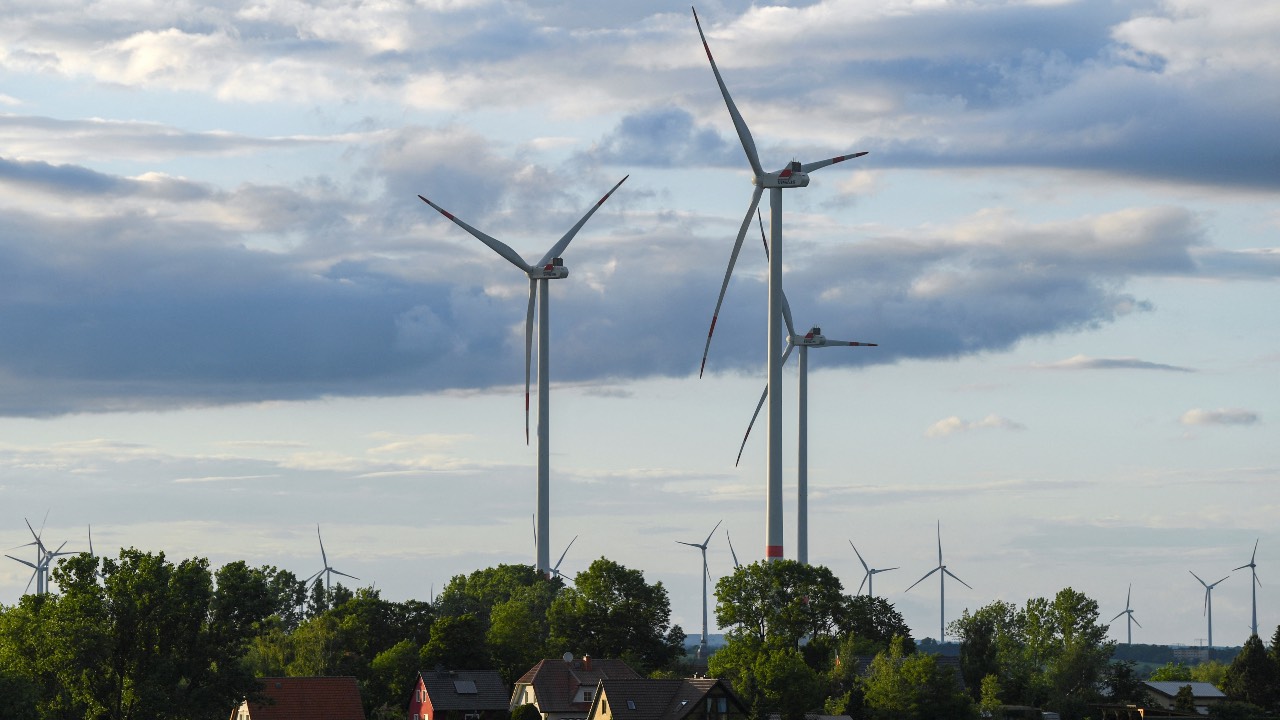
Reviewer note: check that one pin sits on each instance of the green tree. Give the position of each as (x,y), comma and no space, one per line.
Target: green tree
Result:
(1184,700)
(984,634)
(457,643)
(901,686)
(610,611)
(392,676)
(528,711)
(1252,675)
(519,628)
(989,697)
(1125,686)
(872,623)
(477,594)
(1171,672)
(1213,672)
(783,601)
(771,676)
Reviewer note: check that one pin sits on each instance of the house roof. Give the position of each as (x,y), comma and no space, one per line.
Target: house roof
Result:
(308,698)
(1199,690)
(643,699)
(556,682)
(465,690)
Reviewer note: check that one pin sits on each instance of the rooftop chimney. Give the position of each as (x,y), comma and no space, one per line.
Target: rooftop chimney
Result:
(586,663)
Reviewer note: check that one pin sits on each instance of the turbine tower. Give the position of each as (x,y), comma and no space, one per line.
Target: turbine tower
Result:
(1131,621)
(1208,603)
(1253,586)
(706,575)
(327,570)
(793,175)
(871,572)
(942,586)
(815,339)
(550,267)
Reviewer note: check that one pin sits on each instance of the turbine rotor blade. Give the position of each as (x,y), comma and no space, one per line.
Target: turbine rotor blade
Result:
(957,579)
(759,406)
(744,135)
(528,355)
(850,343)
(731,551)
(24,562)
(1135,621)
(494,244)
(558,249)
(338,572)
(923,578)
(322,555)
(810,167)
(556,568)
(1122,612)
(855,552)
(1202,582)
(707,542)
(864,582)
(724,286)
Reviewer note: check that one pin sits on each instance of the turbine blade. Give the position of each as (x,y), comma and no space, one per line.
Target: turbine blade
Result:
(864,582)
(939,543)
(91,542)
(559,248)
(957,579)
(759,406)
(1202,582)
(494,244)
(810,167)
(322,555)
(1122,612)
(855,552)
(884,570)
(736,565)
(339,572)
(681,542)
(30,580)
(733,259)
(24,562)
(313,577)
(528,356)
(1135,621)
(923,578)
(842,343)
(556,568)
(744,135)
(707,542)
(1254,556)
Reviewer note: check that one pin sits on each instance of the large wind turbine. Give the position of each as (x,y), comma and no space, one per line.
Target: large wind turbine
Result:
(812,339)
(550,267)
(1253,586)
(328,570)
(871,572)
(706,575)
(1131,621)
(942,586)
(794,175)
(1208,603)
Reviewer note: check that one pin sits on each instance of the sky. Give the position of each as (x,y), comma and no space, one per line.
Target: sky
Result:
(225,318)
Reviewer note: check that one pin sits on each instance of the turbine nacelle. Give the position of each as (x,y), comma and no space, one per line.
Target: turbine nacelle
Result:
(554,270)
(792,176)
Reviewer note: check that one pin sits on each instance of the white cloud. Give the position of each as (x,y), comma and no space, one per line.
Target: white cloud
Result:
(954,425)
(1083,362)
(1222,416)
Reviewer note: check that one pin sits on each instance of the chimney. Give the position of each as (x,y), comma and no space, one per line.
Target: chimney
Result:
(586,663)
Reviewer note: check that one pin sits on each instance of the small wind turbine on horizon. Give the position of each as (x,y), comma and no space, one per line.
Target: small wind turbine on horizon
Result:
(1131,621)
(942,587)
(328,570)
(871,572)
(1253,586)
(550,267)
(44,557)
(1208,603)
(706,577)
(794,175)
(815,339)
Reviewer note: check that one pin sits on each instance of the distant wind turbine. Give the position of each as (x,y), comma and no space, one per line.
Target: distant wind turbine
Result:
(942,586)
(555,571)
(1130,621)
(550,267)
(44,557)
(706,576)
(1208,603)
(794,175)
(328,570)
(871,572)
(1253,586)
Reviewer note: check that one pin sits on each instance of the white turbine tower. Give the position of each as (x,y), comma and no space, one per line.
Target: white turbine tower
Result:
(942,587)
(706,576)
(871,572)
(1208,603)
(812,339)
(327,570)
(1131,621)
(550,267)
(794,175)
(1253,586)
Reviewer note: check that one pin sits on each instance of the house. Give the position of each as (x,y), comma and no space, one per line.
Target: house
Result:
(304,698)
(689,699)
(1203,694)
(564,689)
(461,695)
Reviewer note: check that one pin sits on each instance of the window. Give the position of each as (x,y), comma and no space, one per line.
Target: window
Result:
(631,704)
(588,695)
(465,687)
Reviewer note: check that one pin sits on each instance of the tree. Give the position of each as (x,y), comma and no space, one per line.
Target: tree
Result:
(612,612)
(1252,676)
(393,674)
(901,686)
(783,601)
(1184,700)
(518,629)
(872,623)
(457,643)
(1171,672)
(1126,687)
(771,676)
(982,635)
(477,594)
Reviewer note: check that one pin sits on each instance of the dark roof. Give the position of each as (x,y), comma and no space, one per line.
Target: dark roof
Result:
(556,682)
(309,698)
(1199,690)
(465,690)
(643,699)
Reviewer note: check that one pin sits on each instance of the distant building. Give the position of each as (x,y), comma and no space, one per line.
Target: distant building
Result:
(460,695)
(304,698)
(564,689)
(689,699)
(1203,694)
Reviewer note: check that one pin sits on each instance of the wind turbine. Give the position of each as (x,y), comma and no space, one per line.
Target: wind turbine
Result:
(942,586)
(328,570)
(1253,586)
(550,267)
(871,572)
(813,338)
(706,576)
(794,175)
(555,571)
(1208,603)
(44,557)
(1131,621)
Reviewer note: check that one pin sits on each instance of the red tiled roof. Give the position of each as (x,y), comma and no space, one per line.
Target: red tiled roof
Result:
(309,698)
(556,682)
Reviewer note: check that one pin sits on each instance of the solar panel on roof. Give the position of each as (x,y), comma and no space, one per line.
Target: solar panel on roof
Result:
(465,687)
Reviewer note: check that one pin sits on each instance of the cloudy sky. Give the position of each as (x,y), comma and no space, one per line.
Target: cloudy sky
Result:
(225,317)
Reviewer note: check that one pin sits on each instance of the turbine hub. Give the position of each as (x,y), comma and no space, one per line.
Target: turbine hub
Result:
(789,177)
(554,270)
